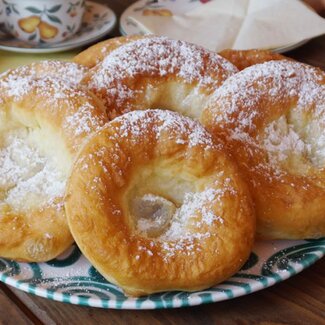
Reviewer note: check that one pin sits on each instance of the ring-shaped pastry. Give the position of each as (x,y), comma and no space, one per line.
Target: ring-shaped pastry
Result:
(156,205)
(73,73)
(157,72)
(245,58)
(272,117)
(43,121)
(97,53)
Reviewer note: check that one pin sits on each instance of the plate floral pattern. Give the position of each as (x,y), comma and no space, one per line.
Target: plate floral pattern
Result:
(98,21)
(40,22)
(71,278)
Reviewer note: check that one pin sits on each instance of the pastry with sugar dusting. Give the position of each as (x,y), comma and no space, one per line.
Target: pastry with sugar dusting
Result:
(272,118)
(157,72)
(156,204)
(45,115)
(246,58)
(97,53)
(240,58)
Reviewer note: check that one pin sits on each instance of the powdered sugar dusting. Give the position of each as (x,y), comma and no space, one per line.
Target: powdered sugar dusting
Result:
(28,178)
(284,140)
(193,204)
(296,131)
(156,57)
(251,91)
(57,85)
(83,120)
(17,87)
(281,140)
(73,73)
(31,176)
(180,237)
(164,122)
(185,230)
(44,78)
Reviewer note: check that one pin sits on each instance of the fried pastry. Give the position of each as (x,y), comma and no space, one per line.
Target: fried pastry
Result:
(44,118)
(155,204)
(157,72)
(272,117)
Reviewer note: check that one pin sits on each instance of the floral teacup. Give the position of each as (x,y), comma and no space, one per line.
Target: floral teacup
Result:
(2,14)
(42,21)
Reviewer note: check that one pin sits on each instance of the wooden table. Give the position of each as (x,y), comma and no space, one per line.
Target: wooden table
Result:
(299,300)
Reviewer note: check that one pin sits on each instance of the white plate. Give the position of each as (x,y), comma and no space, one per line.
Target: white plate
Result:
(98,21)
(130,27)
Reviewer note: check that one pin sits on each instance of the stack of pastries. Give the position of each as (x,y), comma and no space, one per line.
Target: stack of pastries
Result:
(162,160)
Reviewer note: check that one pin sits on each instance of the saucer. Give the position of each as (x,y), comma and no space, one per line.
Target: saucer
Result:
(129,26)
(98,21)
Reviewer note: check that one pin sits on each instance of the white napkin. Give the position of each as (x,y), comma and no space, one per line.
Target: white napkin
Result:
(238,24)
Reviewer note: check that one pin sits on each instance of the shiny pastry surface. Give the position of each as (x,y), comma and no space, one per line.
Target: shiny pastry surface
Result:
(97,53)
(246,58)
(44,117)
(155,204)
(271,117)
(158,72)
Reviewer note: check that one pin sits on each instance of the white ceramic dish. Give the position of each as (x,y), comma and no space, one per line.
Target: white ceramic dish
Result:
(98,21)
(130,27)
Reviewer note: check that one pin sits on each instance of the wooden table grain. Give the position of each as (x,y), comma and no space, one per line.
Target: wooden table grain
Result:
(298,300)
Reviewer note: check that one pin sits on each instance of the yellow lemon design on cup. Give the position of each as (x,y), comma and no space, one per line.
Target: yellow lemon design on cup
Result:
(47,31)
(29,24)
(39,21)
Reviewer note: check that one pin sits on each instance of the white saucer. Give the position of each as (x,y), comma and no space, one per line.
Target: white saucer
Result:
(130,27)
(98,21)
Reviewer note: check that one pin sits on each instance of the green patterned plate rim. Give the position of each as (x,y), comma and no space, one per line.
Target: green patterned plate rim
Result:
(71,278)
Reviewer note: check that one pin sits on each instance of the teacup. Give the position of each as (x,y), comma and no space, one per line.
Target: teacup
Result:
(42,21)
(2,14)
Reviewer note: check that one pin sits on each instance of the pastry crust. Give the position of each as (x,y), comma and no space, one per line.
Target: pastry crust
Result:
(44,118)
(271,116)
(157,72)
(97,53)
(159,154)
(72,73)
(246,58)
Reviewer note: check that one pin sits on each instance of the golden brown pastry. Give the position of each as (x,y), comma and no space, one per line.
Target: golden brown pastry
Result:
(245,58)
(73,73)
(97,53)
(43,121)
(155,204)
(272,117)
(157,72)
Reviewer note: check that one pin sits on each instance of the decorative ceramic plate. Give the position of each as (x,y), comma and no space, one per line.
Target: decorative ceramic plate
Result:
(130,26)
(98,21)
(71,278)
